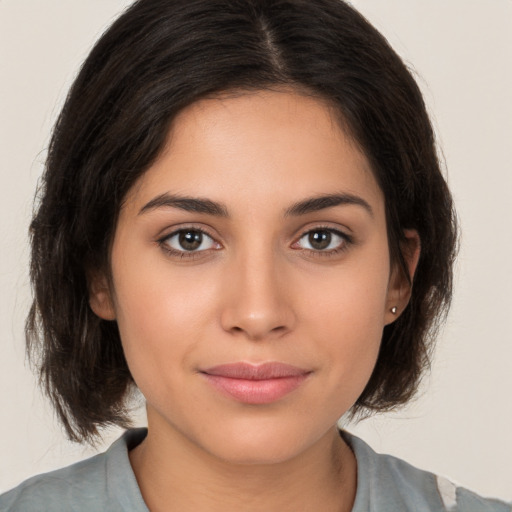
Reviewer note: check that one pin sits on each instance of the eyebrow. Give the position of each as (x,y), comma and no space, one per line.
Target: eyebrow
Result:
(209,207)
(322,202)
(189,204)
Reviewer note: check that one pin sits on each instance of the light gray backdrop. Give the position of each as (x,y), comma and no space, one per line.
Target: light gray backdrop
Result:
(462,52)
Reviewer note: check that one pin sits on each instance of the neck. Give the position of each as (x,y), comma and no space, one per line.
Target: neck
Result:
(176,475)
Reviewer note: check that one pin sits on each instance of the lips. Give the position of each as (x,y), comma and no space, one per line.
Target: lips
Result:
(255,384)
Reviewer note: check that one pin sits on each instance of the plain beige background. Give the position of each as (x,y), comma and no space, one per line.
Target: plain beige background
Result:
(462,51)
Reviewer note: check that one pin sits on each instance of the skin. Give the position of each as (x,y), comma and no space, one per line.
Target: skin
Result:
(255,291)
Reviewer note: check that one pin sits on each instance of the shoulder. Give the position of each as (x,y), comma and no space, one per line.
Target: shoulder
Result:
(460,499)
(58,490)
(388,483)
(104,482)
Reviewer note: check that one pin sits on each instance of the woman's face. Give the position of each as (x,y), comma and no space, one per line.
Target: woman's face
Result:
(251,277)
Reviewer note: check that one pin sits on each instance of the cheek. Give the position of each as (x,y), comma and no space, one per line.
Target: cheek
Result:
(350,298)
(346,317)
(161,316)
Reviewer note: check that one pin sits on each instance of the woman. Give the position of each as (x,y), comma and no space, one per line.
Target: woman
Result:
(242,216)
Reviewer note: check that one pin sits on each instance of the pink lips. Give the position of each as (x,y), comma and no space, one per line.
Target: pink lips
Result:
(256,384)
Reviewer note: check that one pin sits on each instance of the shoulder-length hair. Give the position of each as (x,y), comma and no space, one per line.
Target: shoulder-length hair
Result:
(161,56)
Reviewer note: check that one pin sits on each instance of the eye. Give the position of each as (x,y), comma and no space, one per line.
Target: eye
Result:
(188,240)
(323,239)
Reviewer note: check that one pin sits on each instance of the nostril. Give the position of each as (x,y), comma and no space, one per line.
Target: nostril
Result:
(257,313)
(259,332)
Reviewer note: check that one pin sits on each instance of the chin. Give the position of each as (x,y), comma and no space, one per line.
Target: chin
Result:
(252,453)
(262,442)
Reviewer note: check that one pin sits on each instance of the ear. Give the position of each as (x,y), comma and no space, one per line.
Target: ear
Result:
(100,296)
(400,285)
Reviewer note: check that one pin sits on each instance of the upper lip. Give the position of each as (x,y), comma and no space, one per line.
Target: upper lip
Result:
(249,371)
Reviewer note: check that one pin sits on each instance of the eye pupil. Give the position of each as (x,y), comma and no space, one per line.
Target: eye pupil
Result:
(320,239)
(190,240)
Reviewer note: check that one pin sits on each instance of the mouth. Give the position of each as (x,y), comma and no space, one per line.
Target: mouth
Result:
(255,384)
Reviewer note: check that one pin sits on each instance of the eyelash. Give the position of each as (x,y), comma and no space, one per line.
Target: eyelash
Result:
(164,243)
(347,241)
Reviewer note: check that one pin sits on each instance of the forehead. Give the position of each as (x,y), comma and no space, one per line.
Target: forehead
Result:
(277,146)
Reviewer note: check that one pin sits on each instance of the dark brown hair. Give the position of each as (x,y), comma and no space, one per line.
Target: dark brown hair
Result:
(157,58)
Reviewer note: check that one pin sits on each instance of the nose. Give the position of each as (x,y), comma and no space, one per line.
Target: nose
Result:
(257,302)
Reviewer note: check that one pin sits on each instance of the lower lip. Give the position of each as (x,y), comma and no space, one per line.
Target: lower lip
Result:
(256,391)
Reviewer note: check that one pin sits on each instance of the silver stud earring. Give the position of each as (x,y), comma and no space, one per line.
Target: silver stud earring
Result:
(394,310)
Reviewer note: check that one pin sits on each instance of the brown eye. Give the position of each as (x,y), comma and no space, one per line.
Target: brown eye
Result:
(319,240)
(189,240)
(324,240)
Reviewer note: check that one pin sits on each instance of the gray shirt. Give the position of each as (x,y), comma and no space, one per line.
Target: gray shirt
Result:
(106,483)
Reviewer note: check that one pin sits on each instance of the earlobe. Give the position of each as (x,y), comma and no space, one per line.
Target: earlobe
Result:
(100,297)
(400,285)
